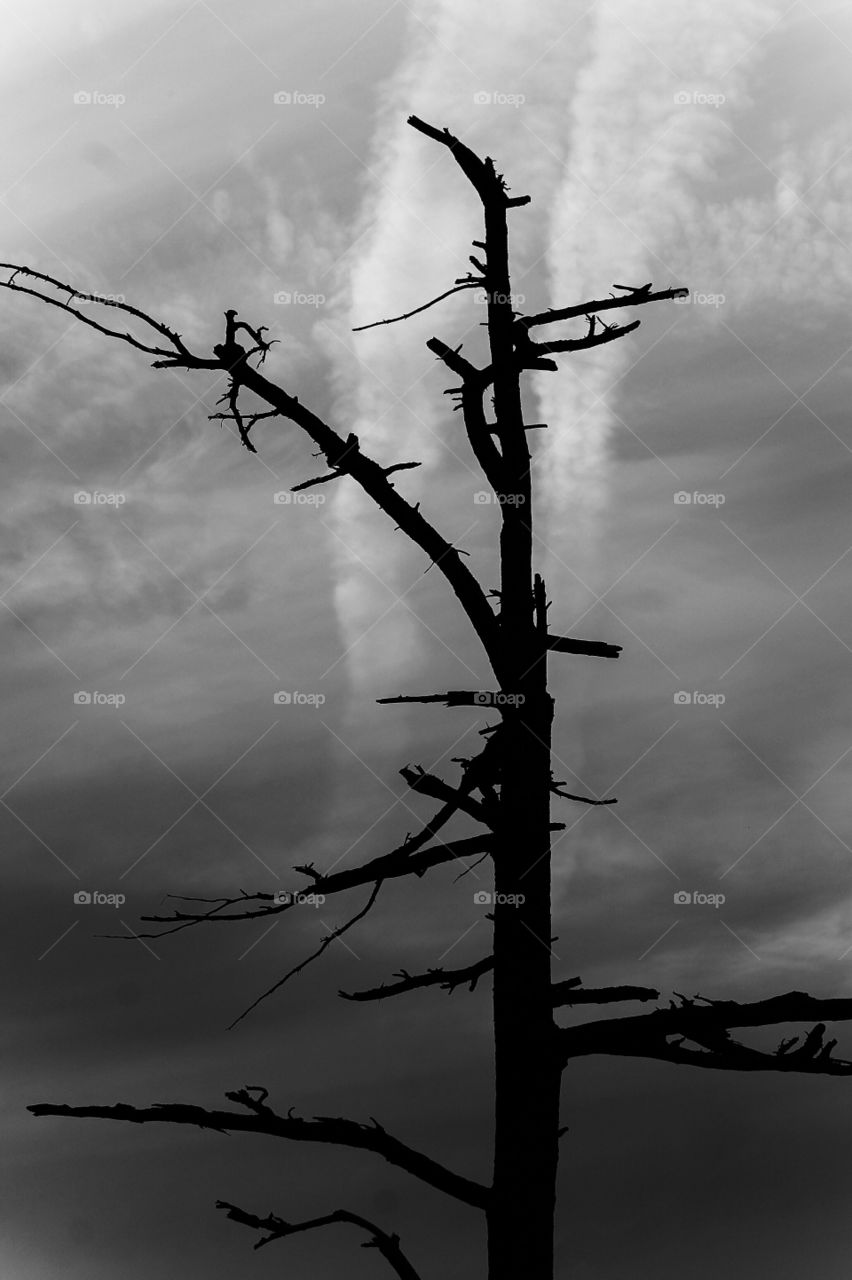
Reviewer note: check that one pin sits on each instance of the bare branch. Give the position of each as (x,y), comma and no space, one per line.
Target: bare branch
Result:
(481,173)
(388,1245)
(591,648)
(453,698)
(569,991)
(326,942)
(446,979)
(428,785)
(408,859)
(634,299)
(556,789)
(707,1025)
(341,455)
(175,352)
(457,288)
(261,1119)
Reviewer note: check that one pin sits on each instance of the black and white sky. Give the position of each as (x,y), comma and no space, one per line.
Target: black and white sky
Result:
(693,504)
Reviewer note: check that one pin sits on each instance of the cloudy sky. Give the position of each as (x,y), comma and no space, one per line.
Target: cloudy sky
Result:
(693,507)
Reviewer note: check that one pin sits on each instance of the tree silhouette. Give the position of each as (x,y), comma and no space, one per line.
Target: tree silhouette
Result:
(506,789)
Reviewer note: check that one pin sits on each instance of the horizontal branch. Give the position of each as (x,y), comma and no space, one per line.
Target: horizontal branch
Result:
(455,698)
(569,991)
(277,1229)
(634,298)
(446,979)
(591,648)
(707,1024)
(261,1119)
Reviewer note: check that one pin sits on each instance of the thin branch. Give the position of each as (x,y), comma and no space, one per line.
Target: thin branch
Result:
(387,1244)
(409,858)
(261,1119)
(457,288)
(176,351)
(326,942)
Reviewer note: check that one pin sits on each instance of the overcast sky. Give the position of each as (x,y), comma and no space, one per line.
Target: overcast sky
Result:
(693,505)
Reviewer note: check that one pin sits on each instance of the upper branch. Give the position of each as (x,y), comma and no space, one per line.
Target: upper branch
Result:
(344,455)
(259,1118)
(176,353)
(407,859)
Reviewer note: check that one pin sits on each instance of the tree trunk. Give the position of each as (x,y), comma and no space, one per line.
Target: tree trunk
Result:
(521,1215)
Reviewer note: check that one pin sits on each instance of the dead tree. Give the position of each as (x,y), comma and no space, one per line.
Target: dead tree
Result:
(506,789)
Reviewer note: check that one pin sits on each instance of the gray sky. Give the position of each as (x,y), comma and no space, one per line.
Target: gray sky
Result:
(704,145)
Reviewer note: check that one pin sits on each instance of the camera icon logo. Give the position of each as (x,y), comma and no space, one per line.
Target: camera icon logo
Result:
(282,98)
(281,897)
(682,898)
(482,98)
(282,298)
(82,698)
(682,498)
(482,898)
(82,499)
(82,98)
(282,698)
(682,698)
(282,499)
(82,898)
(481,498)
